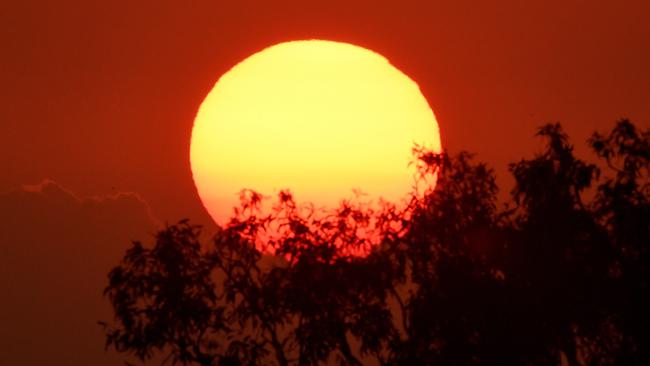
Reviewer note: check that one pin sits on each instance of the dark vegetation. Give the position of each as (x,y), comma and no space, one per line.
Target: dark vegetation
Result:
(559,275)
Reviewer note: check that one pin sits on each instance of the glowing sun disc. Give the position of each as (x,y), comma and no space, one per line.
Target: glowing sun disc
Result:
(319,118)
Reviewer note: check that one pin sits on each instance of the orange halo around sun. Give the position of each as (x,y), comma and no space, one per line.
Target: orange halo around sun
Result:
(319,118)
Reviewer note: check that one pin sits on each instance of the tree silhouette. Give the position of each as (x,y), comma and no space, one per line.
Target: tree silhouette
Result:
(623,208)
(559,274)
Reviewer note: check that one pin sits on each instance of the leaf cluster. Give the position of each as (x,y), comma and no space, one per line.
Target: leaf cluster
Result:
(559,274)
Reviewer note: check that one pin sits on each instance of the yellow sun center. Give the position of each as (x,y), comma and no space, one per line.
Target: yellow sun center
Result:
(319,118)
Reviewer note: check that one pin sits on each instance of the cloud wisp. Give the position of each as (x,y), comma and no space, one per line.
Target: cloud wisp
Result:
(55,251)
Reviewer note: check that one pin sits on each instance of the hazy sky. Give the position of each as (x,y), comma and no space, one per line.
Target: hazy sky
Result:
(100,98)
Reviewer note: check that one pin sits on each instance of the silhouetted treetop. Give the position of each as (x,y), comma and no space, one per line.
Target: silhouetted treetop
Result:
(559,274)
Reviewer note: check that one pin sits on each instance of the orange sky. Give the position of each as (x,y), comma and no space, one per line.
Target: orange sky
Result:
(100,98)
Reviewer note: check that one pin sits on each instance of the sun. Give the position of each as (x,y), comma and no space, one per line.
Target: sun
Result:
(320,118)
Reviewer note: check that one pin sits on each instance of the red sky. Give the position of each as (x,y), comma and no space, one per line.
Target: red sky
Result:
(100,97)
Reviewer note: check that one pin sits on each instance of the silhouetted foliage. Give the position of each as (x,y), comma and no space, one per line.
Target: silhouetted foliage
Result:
(560,274)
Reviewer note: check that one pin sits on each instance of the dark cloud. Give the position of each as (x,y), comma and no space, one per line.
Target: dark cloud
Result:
(55,251)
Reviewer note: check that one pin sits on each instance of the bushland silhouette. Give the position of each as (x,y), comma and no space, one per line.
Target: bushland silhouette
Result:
(558,275)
